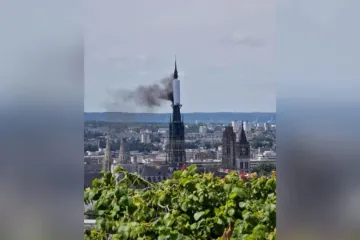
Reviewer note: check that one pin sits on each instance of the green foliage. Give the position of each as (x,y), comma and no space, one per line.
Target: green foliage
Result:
(264,168)
(188,206)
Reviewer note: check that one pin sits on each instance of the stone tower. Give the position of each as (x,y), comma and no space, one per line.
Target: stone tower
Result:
(107,156)
(124,155)
(228,147)
(243,152)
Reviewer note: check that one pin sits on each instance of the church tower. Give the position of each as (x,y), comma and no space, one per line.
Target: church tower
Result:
(243,153)
(124,155)
(228,147)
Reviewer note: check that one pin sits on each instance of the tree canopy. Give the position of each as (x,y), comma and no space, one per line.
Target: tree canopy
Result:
(188,206)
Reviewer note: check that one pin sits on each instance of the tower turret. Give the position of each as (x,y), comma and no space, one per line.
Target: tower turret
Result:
(228,147)
(243,159)
(124,156)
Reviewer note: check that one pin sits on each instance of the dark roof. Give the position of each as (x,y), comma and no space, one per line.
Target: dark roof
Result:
(129,167)
(213,169)
(147,170)
(229,129)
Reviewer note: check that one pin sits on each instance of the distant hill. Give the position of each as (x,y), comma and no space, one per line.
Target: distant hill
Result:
(216,117)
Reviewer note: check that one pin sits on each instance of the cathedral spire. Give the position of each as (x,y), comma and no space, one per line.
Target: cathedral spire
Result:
(107,157)
(243,139)
(176,71)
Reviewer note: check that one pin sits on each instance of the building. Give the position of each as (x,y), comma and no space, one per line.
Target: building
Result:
(163,130)
(91,160)
(235,125)
(267,157)
(235,154)
(145,138)
(247,126)
(228,147)
(124,154)
(211,126)
(243,152)
(204,154)
(202,129)
(176,150)
(190,154)
(133,159)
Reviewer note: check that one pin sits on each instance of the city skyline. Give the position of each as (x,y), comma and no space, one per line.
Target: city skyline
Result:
(224,53)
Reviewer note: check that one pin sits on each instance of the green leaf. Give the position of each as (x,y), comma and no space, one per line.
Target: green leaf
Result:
(246,215)
(233,195)
(198,215)
(184,181)
(272,207)
(192,169)
(184,174)
(168,222)
(162,198)
(91,195)
(101,212)
(242,204)
(239,192)
(220,221)
(116,237)
(227,187)
(125,200)
(231,212)
(193,226)
(184,206)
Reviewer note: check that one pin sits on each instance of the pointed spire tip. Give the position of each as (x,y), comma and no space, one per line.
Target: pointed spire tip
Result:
(175,71)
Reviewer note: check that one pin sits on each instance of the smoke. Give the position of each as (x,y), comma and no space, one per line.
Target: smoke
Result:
(152,95)
(144,96)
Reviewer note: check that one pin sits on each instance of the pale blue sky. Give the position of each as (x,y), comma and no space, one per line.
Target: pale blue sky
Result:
(225,52)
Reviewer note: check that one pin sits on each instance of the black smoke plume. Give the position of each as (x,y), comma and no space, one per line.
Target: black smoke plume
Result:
(145,96)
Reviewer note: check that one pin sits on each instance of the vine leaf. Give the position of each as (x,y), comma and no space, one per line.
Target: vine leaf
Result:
(198,215)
